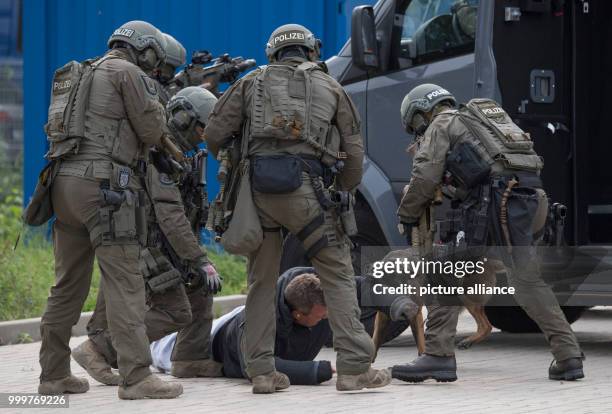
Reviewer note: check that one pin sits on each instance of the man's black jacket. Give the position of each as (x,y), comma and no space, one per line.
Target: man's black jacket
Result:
(296,346)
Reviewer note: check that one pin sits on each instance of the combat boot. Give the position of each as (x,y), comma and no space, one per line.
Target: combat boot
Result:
(566,370)
(66,385)
(150,387)
(372,378)
(269,383)
(88,357)
(442,369)
(198,368)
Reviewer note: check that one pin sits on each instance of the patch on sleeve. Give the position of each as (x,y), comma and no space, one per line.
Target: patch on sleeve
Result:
(149,85)
(165,179)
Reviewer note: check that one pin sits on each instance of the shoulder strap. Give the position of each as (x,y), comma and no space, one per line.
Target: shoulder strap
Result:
(94,65)
(308,66)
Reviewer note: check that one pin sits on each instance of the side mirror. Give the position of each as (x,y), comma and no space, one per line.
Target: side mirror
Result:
(364,46)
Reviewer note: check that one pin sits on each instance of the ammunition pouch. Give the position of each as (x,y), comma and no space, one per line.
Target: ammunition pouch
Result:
(466,165)
(276,174)
(157,270)
(522,162)
(345,202)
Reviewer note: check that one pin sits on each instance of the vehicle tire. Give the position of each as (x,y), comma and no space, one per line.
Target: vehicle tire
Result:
(513,319)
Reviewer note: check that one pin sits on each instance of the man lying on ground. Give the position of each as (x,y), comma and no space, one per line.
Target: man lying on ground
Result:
(302,330)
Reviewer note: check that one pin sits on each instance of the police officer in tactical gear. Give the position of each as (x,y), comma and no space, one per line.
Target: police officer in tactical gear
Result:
(298,122)
(180,279)
(98,199)
(484,134)
(175,58)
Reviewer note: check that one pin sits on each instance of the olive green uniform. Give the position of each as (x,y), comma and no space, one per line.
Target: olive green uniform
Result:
(294,211)
(122,120)
(532,293)
(186,309)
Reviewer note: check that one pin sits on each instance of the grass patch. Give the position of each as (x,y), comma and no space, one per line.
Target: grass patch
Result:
(27,274)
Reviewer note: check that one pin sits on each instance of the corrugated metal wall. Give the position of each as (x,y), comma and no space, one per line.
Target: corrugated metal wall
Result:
(56,31)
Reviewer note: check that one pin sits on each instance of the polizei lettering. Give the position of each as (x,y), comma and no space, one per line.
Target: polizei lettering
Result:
(123,32)
(437,93)
(493,111)
(288,36)
(61,86)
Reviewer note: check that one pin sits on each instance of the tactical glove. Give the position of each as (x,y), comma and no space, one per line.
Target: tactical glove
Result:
(212,279)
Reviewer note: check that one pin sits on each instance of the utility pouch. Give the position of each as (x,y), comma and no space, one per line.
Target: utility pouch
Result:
(164,281)
(477,219)
(522,162)
(467,167)
(244,233)
(40,209)
(276,174)
(345,202)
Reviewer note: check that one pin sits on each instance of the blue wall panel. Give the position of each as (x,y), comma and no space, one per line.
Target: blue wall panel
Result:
(56,31)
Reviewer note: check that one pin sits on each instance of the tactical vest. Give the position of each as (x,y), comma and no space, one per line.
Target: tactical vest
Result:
(70,88)
(283,108)
(509,147)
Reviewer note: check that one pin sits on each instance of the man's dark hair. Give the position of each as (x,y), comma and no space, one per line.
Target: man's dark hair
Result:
(303,292)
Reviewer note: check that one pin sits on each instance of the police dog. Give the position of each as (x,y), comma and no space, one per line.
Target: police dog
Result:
(422,237)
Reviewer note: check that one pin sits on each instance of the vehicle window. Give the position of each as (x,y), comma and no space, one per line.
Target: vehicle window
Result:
(437,29)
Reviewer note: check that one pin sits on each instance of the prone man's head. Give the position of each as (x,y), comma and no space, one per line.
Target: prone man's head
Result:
(305,298)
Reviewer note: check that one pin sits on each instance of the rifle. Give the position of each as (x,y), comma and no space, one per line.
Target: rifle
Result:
(194,192)
(223,69)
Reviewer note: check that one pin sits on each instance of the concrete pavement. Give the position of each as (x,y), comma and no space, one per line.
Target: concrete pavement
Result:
(506,374)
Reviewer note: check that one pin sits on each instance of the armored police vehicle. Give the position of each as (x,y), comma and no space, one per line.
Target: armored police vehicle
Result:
(545,61)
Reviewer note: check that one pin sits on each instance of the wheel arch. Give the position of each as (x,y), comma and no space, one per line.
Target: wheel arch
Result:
(376,191)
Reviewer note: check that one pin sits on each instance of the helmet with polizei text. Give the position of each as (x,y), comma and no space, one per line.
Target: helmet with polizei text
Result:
(420,100)
(141,36)
(291,35)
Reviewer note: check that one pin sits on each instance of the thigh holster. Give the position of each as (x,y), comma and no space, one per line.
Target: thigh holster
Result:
(319,233)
